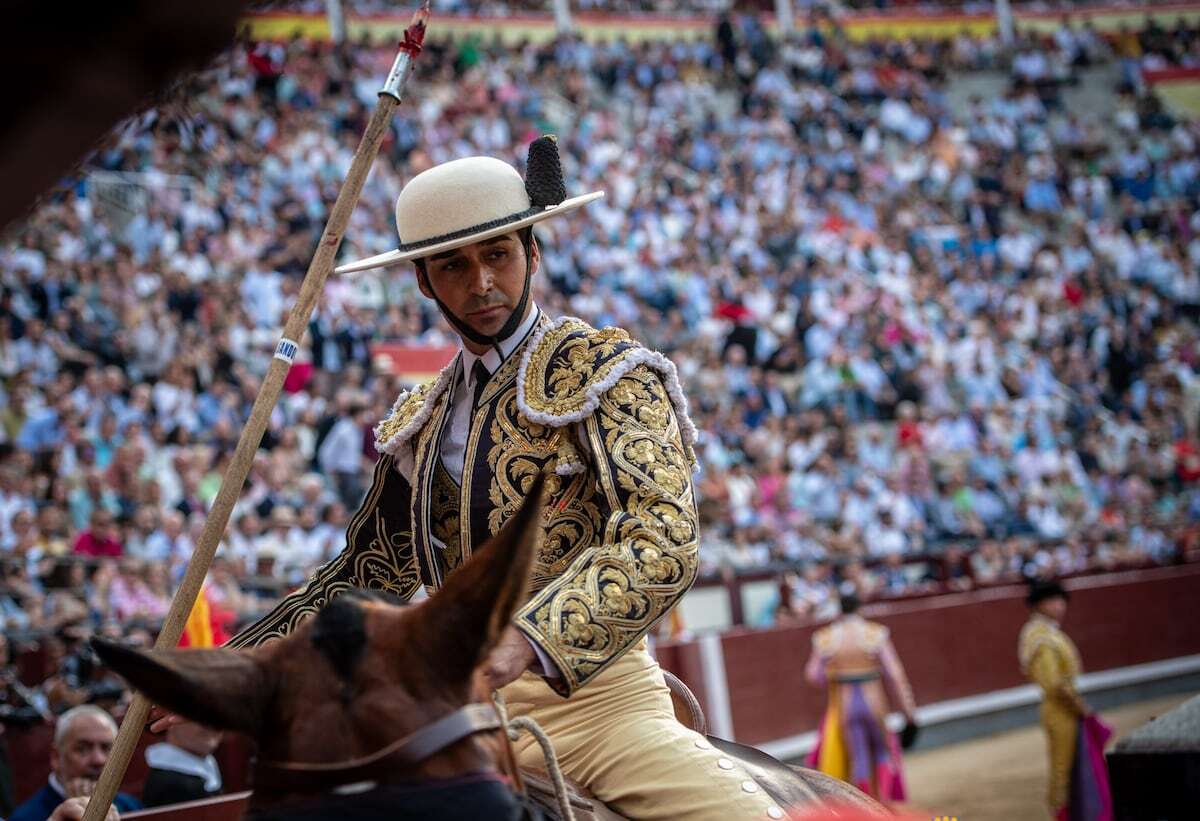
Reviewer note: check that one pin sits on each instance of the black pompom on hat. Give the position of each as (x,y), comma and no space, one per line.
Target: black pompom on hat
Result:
(544,174)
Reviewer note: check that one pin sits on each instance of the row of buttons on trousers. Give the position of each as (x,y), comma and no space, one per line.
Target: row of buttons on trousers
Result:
(747,785)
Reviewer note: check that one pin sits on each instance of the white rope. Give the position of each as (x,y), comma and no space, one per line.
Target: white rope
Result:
(560,785)
(513,728)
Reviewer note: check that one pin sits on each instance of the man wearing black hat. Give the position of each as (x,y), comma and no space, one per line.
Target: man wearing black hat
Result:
(1050,659)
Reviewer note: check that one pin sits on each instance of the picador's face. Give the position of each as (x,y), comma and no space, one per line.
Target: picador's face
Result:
(480,283)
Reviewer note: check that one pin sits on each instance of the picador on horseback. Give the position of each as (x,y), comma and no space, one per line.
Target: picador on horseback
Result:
(589,431)
(607,419)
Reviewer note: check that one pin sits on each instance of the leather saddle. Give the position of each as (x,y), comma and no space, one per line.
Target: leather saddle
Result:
(790,786)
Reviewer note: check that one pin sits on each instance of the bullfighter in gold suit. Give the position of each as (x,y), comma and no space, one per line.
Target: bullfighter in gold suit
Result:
(856,660)
(607,419)
(1049,658)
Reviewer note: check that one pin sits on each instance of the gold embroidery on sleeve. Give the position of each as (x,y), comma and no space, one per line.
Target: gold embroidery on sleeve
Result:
(611,595)
(378,555)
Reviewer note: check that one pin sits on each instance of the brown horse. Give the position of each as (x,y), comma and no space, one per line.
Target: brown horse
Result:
(372,710)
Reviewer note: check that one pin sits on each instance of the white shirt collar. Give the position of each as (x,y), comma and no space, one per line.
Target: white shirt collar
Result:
(491,360)
(165,756)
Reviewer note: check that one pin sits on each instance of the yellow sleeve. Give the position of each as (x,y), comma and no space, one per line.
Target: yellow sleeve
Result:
(378,555)
(611,595)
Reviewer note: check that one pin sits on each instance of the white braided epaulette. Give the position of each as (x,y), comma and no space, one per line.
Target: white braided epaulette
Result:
(388,440)
(594,390)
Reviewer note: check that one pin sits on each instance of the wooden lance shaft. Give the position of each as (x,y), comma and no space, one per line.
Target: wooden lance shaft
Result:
(243,457)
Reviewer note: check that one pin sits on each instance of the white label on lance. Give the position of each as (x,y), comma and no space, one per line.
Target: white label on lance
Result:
(286,350)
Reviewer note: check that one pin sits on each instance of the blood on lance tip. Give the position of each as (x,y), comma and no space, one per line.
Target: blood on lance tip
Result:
(414,35)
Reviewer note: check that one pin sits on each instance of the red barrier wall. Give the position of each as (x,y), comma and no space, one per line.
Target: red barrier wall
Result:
(952,646)
(955,645)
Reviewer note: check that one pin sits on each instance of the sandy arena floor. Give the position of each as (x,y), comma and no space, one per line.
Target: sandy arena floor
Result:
(1001,777)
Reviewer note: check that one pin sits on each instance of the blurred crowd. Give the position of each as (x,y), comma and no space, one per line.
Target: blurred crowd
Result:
(927,346)
(510,8)
(710,8)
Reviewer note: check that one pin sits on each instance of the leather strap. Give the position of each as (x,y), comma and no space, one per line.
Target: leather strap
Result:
(304,777)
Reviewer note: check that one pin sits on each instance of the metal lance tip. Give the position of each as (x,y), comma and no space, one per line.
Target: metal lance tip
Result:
(410,47)
(421,15)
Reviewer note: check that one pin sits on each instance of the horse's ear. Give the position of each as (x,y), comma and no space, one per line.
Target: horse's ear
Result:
(478,600)
(218,687)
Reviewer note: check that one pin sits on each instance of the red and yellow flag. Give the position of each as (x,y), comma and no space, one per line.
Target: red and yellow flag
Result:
(206,625)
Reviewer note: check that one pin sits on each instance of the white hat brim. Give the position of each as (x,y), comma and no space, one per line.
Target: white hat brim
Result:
(393,257)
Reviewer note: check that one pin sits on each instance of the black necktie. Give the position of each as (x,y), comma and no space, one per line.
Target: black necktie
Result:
(481,375)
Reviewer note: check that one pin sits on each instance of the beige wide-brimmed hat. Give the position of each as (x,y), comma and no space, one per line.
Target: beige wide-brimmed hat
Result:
(473,199)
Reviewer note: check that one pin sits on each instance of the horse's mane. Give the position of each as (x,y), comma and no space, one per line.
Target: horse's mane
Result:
(339,634)
(339,630)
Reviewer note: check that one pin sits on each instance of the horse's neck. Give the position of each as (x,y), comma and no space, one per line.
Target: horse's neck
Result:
(469,796)
(468,758)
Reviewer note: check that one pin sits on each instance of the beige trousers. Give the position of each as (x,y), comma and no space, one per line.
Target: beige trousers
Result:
(618,737)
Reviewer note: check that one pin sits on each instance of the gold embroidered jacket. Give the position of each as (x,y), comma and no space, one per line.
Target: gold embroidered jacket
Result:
(1051,660)
(620,530)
